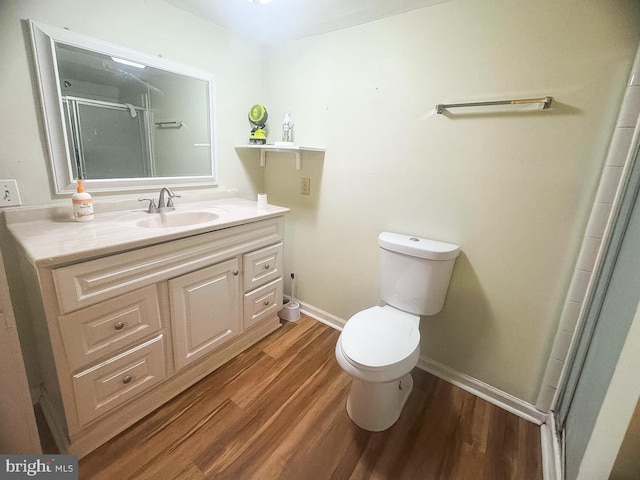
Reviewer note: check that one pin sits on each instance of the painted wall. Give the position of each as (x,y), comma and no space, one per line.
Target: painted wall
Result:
(513,189)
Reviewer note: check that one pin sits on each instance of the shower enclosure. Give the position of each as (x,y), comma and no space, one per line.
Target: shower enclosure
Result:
(91,127)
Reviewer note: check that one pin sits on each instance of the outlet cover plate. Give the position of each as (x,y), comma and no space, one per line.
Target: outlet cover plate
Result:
(305,187)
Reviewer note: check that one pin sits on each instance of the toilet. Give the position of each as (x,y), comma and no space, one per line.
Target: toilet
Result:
(380,346)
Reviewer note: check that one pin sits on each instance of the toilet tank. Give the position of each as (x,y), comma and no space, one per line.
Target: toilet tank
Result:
(415,272)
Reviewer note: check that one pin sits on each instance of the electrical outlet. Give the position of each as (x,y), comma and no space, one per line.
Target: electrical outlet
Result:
(305,188)
(9,195)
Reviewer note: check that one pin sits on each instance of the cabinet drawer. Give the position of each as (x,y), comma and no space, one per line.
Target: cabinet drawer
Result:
(98,331)
(262,303)
(262,266)
(113,382)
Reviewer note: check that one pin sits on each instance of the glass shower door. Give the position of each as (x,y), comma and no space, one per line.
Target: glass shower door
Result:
(92,126)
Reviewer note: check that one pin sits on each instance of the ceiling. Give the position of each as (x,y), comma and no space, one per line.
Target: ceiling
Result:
(285,20)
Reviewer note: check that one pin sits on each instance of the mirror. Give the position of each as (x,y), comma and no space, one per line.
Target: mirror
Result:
(121,119)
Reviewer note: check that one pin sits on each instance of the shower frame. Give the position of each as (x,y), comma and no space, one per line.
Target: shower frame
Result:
(75,140)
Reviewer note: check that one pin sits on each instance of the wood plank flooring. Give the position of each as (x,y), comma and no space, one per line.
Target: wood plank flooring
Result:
(277,411)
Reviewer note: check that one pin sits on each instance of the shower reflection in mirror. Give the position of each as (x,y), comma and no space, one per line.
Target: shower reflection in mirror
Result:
(91,125)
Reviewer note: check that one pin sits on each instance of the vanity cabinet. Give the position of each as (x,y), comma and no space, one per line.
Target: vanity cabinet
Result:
(127,331)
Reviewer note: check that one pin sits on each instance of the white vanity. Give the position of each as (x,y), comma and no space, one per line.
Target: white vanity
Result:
(128,313)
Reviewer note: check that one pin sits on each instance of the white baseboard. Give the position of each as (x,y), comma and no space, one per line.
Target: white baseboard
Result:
(483,390)
(472,385)
(322,316)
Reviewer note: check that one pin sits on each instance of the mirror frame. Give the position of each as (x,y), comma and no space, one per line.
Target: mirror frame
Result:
(43,39)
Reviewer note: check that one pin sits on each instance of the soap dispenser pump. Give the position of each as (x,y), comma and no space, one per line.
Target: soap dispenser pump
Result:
(82,204)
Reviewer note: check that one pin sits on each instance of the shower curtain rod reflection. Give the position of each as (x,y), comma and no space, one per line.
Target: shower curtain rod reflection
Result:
(545,101)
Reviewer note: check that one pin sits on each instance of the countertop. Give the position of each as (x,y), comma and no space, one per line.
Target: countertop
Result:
(54,238)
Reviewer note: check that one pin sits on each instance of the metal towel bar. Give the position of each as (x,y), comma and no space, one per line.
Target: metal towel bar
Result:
(174,124)
(546,103)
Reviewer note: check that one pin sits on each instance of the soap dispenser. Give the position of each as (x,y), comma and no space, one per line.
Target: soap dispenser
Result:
(82,204)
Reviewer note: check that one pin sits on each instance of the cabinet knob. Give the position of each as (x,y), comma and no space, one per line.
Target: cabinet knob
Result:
(127,379)
(236,272)
(119,325)
(266,302)
(266,267)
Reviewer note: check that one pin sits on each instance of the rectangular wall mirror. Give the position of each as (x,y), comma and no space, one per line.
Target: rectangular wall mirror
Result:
(121,119)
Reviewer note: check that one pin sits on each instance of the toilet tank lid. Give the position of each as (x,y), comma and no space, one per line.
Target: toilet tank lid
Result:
(418,247)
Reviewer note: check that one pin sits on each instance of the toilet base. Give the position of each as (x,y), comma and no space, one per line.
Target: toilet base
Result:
(377,406)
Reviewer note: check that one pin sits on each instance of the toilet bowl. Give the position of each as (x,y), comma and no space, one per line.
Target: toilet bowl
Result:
(380,346)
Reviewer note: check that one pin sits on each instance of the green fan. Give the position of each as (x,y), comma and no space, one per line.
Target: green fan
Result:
(258,117)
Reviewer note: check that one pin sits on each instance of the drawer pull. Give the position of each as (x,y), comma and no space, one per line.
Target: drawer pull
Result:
(236,272)
(119,325)
(266,267)
(127,379)
(266,302)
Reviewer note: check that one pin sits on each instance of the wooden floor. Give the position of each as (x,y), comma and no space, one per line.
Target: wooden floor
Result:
(277,411)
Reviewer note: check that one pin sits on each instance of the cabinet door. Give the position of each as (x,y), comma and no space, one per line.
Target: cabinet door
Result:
(205,310)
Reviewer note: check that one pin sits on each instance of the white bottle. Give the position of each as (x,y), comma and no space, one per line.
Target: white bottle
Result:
(287,129)
(82,205)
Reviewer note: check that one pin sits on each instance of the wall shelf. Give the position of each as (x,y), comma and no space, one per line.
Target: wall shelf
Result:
(297,151)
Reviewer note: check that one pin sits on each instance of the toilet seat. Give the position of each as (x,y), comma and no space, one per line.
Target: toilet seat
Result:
(380,338)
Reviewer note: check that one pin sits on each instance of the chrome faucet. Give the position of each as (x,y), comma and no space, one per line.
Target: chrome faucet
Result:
(166,207)
(162,206)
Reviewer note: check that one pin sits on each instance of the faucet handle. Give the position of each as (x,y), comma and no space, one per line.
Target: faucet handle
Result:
(152,204)
(171,197)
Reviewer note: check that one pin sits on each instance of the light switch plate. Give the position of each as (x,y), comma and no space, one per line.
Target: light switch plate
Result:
(9,195)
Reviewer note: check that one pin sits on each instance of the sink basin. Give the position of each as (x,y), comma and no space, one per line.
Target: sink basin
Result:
(176,219)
